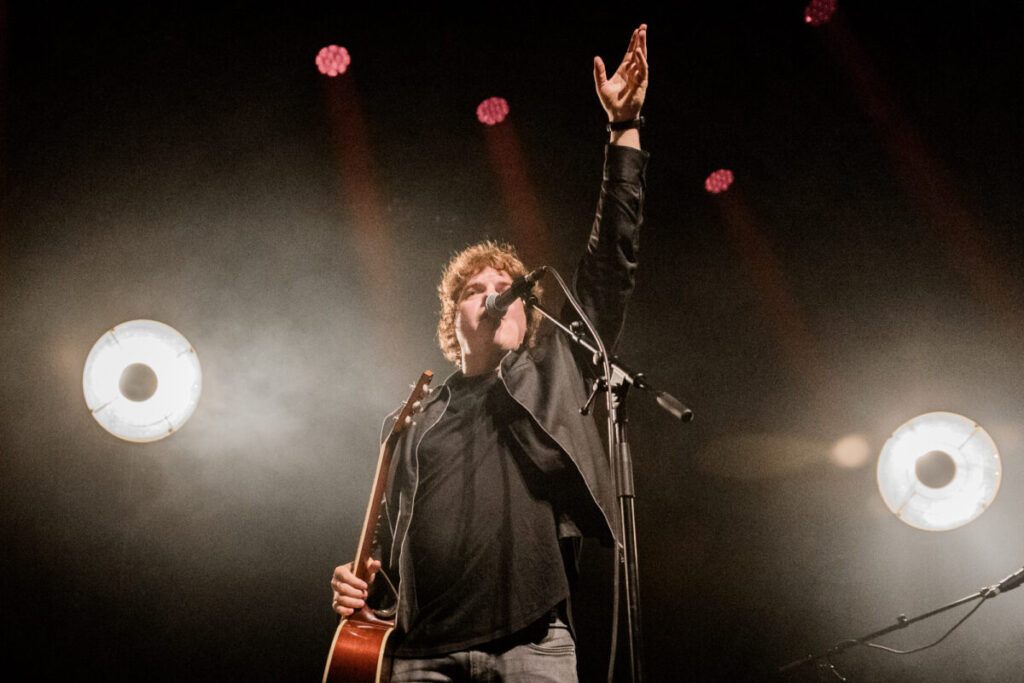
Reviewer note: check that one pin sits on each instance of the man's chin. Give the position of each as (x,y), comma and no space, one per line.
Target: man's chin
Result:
(506,344)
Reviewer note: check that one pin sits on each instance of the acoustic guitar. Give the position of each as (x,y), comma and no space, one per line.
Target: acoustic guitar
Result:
(361,649)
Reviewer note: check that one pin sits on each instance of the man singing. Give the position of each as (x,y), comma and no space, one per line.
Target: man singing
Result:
(497,479)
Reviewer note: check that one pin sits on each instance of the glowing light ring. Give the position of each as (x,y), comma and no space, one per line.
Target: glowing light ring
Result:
(492,111)
(179,380)
(333,60)
(973,488)
(719,181)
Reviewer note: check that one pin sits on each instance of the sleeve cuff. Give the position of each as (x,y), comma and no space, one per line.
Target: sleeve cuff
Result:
(625,163)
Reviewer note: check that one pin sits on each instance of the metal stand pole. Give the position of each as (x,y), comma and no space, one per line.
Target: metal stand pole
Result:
(627,514)
(617,380)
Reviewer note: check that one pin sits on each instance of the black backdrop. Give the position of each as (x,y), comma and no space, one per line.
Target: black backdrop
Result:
(192,166)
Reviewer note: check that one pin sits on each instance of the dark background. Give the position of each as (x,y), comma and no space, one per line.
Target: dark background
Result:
(193,167)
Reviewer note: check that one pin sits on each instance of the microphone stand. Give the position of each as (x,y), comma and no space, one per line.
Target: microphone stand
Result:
(616,380)
(827,670)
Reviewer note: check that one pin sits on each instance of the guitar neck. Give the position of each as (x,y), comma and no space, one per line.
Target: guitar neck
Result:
(369,532)
(366,539)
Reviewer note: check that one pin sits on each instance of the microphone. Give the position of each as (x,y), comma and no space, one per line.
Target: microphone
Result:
(1009,583)
(495,305)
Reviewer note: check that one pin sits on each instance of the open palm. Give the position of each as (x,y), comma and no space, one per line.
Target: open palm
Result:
(623,94)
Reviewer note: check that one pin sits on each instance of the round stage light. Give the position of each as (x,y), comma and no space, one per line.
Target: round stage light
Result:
(939,471)
(719,181)
(492,111)
(818,12)
(142,380)
(333,60)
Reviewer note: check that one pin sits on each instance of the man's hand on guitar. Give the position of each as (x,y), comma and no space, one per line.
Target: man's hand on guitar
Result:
(349,591)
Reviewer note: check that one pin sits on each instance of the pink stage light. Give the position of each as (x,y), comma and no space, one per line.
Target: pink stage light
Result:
(719,181)
(333,60)
(493,110)
(818,12)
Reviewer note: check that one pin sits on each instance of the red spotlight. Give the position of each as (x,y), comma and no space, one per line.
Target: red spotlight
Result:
(818,12)
(492,110)
(332,60)
(719,181)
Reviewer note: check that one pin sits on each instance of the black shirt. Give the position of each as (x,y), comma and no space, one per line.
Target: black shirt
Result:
(483,536)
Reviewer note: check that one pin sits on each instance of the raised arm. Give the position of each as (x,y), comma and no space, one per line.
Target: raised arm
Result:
(606,272)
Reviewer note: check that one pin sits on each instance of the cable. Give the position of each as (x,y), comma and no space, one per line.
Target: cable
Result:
(613,651)
(924,647)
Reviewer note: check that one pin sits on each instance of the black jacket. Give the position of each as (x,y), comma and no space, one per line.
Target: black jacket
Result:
(547,380)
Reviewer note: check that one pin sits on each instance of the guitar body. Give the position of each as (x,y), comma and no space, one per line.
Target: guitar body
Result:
(360,651)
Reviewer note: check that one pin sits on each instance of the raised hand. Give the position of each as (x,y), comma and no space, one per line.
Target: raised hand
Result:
(622,95)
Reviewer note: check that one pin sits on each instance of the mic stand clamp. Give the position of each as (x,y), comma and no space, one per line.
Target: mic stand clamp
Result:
(599,386)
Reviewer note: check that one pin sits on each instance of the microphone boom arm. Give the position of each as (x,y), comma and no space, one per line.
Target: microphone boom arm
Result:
(667,401)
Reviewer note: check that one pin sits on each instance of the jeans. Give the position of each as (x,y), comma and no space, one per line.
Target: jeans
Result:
(550,656)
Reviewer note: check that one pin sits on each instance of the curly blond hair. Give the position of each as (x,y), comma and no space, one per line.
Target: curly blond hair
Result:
(463,266)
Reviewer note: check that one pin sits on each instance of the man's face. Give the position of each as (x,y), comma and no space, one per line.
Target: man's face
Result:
(483,339)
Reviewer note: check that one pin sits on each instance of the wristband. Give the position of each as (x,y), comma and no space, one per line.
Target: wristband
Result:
(637,123)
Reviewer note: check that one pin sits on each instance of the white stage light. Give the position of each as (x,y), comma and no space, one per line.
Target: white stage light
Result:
(142,380)
(939,471)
